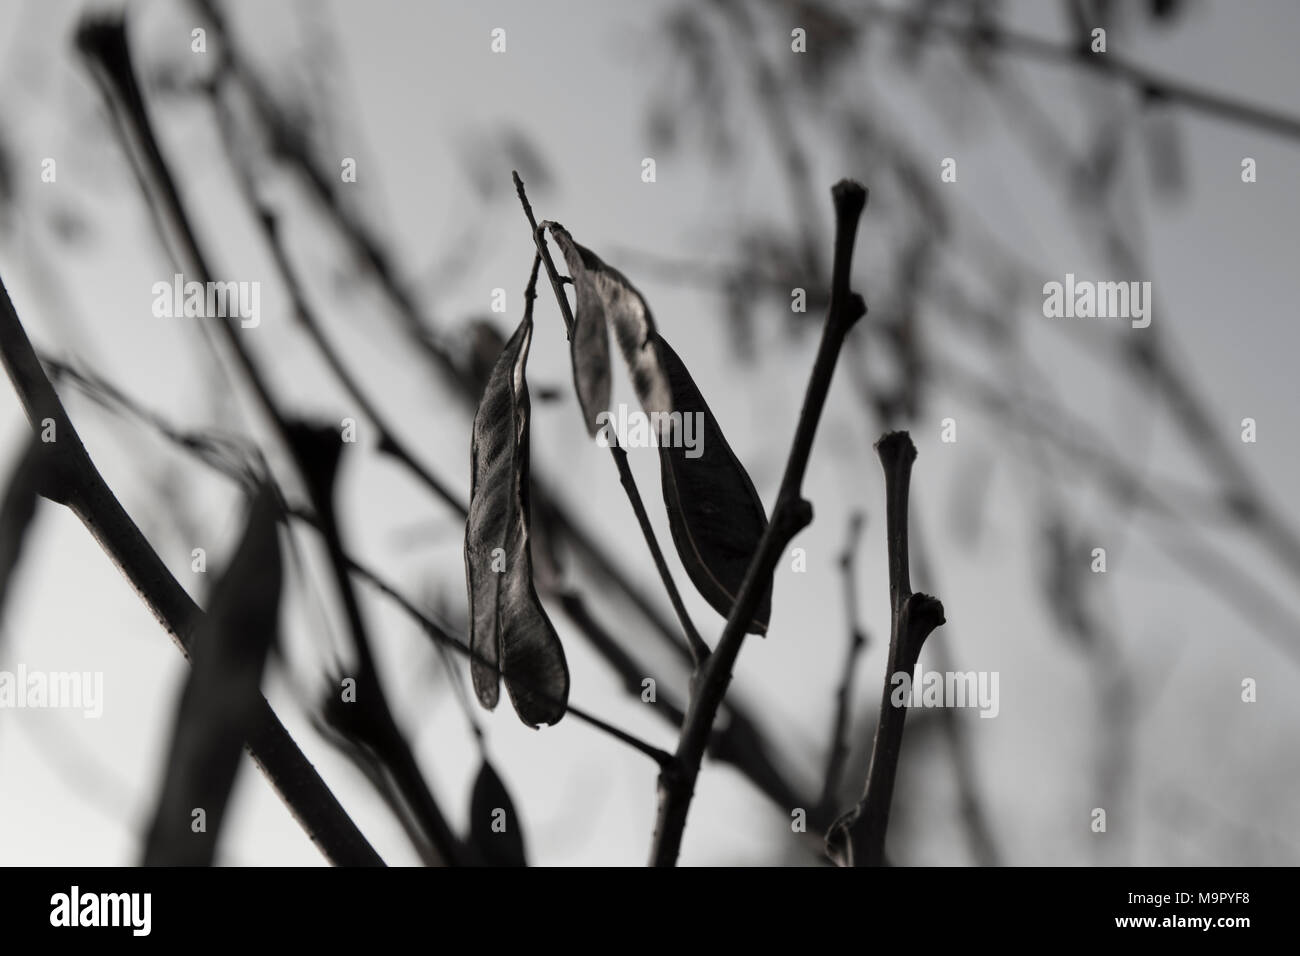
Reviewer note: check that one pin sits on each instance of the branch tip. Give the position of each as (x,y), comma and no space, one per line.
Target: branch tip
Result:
(850,197)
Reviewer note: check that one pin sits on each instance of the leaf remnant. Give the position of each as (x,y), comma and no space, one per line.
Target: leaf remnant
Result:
(714,512)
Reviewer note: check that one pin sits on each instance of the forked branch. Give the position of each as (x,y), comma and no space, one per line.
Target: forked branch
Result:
(858,837)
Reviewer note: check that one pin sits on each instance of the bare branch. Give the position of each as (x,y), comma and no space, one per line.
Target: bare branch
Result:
(1110,65)
(791,514)
(858,837)
(76,483)
(699,650)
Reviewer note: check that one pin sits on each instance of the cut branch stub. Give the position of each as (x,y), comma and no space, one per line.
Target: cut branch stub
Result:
(715,514)
(897,452)
(510,634)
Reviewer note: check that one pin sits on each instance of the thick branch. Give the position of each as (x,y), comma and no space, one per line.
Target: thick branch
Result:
(76,483)
(105,45)
(791,514)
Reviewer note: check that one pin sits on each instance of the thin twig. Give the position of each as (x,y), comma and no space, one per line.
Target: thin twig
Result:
(1109,65)
(288,144)
(388,441)
(462,696)
(839,750)
(539,240)
(631,672)
(443,635)
(662,757)
(979,832)
(699,649)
